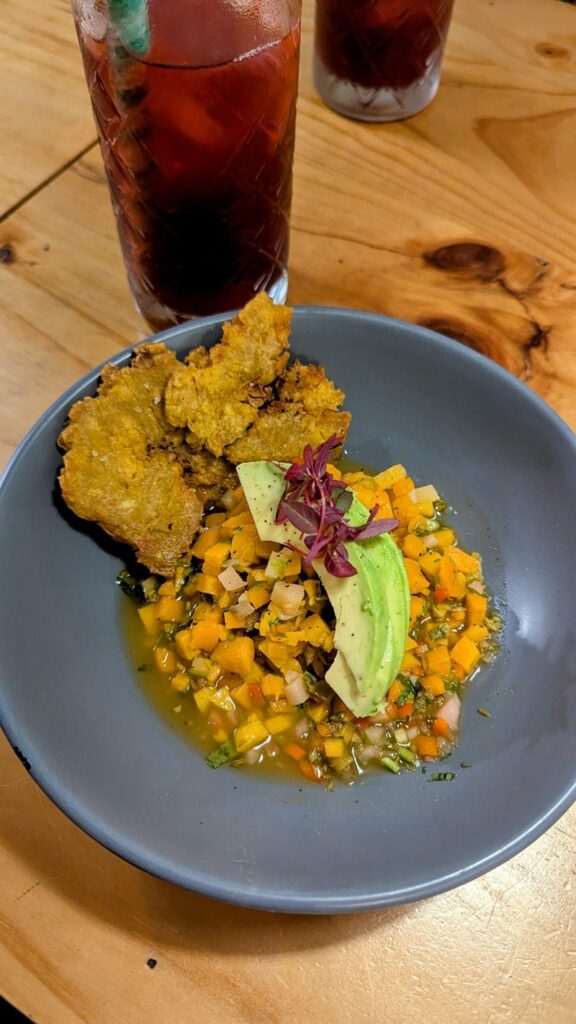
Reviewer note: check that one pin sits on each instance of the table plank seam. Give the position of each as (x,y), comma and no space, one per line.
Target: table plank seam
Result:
(47,181)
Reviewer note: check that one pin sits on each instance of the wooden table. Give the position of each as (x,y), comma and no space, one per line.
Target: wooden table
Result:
(462,219)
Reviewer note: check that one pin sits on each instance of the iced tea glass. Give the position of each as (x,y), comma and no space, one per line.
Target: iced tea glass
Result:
(195,104)
(379,60)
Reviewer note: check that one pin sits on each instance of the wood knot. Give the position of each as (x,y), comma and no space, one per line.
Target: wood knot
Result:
(551,51)
(7,254)
(470,259)
(458,332)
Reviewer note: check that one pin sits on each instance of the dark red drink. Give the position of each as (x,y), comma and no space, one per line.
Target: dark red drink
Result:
(197,136)
(380,59)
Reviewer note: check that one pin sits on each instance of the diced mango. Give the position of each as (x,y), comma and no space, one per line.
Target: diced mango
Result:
(168,609)
(416,608)
(476,633)
(234,621)
(278,723)
(242,696)
(235,655)
(258,596)
(215,518)
(180,682)
(206,612)
(318,712)
(250,735)
(244,545)
(317,633)
(413,546)
(203,698)
(425,508)
(466,654)
(416,580)
(167,589)
(433,684)
(165,660)
(215,557)
(184,646)
(149,618)
(206,635)
(209,585)
(388,477)
(402,487)
(233,523)
(220,736)
(468,564)
(430,563)
(272,686)
(444,537)
(410,644)
(276,652)
(222,698)
(476,608)
(334,748)
(409,662)
(437,661)
(206,540)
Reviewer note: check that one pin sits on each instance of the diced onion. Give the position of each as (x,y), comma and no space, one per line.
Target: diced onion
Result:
(375,734)
(401,736)
(243,609)
(426,493)
(287,597)
(477,586)
(382,716)
(231,580)
(431,541)
(412,732)
(369,752)
(295,691)
(450,711)
(253,756)
(301,729)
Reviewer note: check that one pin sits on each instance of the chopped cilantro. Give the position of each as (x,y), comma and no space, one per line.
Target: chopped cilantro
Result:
(223,754)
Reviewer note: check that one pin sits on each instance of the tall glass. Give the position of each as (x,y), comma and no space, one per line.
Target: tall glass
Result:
(379,60)
(195,102)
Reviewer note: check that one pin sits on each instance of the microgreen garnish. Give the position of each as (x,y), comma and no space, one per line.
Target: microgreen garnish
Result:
(316,504)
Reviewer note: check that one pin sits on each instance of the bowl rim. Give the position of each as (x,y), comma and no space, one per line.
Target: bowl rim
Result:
(239,894)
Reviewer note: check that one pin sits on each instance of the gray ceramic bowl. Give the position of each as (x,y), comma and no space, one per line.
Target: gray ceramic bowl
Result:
(71,705)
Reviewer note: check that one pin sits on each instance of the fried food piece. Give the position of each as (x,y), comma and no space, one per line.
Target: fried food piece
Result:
(210,475)
(121,467)
(217,394)
(307,412)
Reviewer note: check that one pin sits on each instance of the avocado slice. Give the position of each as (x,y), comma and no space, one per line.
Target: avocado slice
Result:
(372,608)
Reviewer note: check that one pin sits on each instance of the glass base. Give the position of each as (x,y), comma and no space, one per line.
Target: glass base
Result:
(364,104)
(160,317)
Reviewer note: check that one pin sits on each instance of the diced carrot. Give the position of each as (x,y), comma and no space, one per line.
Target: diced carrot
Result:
(404,710)
(323,729)
(440,727)
(426,746)
(312,773)
(440,594)
(295,751)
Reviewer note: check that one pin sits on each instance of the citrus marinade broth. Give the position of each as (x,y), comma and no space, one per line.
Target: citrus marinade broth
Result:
(426,679)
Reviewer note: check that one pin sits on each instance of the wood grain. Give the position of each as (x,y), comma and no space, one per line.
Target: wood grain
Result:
(45,117)
(462,219)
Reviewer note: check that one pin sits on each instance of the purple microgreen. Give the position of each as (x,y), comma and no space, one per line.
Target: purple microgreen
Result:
(316,504)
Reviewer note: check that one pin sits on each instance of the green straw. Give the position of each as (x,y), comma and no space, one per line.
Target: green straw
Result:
(130,19)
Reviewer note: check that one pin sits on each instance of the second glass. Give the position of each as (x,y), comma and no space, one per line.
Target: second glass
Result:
(195,104)
(379,60)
